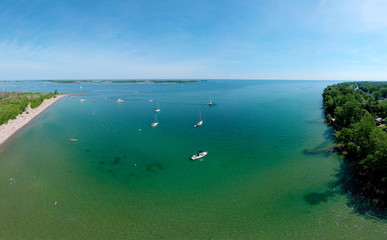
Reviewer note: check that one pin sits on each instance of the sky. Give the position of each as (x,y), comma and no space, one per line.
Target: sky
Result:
(193,39)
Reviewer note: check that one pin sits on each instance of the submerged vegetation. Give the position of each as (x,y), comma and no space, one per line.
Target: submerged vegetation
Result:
(13,104)
(358,111)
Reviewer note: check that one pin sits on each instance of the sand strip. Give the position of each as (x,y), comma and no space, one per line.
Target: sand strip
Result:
(12,126)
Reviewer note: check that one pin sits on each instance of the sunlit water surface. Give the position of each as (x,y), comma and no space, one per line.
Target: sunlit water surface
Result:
(117,182)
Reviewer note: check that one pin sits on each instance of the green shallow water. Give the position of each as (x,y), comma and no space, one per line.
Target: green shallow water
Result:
(116,182)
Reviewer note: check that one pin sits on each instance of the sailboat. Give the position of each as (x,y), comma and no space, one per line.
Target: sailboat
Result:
(210,102)
(200,120)
(157,107)
(156,122)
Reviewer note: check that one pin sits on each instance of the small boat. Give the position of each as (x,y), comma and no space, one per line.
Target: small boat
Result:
(157,107)
(120,101)
(150,100)
(154,124)
(200,120)
(210,102)
(200,154)
(83,100)
(73,140)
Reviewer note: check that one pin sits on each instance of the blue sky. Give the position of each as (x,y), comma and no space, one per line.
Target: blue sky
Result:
(164,39)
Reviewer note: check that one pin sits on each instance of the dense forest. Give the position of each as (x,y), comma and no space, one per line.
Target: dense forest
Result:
(13,104)
(358,111)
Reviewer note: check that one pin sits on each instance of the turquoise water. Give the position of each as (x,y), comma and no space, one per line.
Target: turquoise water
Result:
(117,182)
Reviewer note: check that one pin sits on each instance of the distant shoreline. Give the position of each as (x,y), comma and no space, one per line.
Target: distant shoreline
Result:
(110,81)
(8,129)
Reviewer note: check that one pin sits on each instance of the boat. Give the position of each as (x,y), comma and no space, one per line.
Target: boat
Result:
(200,154)
(154,124)
(120,101)
(200,120)
(73,140)
(83,100)
(210,102)
(158,107)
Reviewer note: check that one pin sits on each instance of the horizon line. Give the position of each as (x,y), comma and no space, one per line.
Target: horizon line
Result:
(198,79)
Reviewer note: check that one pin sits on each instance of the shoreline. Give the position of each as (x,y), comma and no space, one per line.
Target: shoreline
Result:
(7,130)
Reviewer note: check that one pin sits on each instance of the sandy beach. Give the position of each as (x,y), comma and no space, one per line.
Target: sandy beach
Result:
(14,125)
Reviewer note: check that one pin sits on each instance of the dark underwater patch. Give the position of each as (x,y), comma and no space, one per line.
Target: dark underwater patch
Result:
(152,166)
(315,198)
(116,160)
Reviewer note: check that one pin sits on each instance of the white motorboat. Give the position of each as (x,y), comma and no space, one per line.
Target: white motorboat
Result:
(200,154)
(120,101)
(83,100)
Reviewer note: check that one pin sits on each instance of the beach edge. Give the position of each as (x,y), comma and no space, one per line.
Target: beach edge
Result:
(7,130)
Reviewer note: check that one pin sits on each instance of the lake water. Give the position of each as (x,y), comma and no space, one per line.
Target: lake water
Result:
(117,182)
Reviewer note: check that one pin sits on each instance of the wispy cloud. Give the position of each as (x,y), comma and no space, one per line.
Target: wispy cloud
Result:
(153,39)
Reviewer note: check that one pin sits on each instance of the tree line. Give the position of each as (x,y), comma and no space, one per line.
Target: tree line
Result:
(18,102)
(358,110)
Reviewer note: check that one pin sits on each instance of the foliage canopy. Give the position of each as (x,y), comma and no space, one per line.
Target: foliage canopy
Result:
(16,103)
(359,113)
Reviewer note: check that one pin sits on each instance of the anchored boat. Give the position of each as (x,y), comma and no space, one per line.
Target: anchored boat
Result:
(154,124)
(157,107)
(200,154)
(210,102)
(200,120)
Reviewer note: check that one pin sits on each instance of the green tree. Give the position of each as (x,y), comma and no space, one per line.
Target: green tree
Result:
(344,136)
(348,114)
(361,135)
(377,94)
(376,161)
(382,108)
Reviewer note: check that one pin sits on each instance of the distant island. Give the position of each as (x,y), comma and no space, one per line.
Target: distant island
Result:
(113,81)
(358,111)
